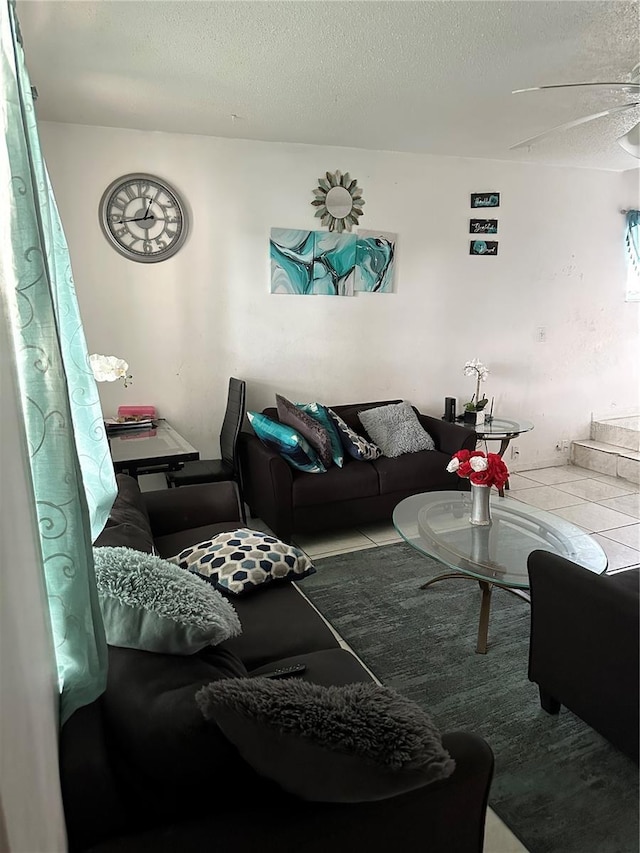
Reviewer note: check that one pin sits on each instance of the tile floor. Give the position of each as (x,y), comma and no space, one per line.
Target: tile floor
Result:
(606,507)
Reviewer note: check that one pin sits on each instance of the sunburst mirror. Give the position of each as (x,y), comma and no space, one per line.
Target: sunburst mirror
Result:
(339,201)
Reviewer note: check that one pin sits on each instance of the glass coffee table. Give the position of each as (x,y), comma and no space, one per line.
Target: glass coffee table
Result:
(437,524)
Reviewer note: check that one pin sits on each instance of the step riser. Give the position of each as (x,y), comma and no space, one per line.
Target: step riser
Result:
(605,462)
(612,434)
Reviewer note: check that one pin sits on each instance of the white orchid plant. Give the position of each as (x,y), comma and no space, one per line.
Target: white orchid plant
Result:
(480,371)
(109,368)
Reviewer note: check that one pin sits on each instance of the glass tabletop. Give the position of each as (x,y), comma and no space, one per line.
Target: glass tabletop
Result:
(437,524)
(501,427)
(160,443)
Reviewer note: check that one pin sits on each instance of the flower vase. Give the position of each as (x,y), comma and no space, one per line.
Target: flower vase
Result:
(480,508)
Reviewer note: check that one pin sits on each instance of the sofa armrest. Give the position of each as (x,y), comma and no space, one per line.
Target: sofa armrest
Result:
(448,437)
(267,482)
(584,645)
(442,817)
(173,510)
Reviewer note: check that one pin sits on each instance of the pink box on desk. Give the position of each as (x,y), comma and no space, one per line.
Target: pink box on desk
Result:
(137,412)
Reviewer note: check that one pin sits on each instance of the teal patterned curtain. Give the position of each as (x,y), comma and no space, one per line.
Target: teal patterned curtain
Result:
(72,474)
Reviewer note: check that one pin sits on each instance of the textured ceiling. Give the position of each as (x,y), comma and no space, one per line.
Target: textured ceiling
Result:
(431,77)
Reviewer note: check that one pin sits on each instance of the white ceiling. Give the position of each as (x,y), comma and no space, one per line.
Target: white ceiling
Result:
(432,77)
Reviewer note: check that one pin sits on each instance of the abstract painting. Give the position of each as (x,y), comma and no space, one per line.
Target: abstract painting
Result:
(291,253)
(375,261)
(327,263)
(334,260)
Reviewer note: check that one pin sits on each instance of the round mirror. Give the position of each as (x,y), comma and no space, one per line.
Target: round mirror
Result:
(338,200)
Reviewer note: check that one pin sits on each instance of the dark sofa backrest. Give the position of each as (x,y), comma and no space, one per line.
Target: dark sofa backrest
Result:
(348,413)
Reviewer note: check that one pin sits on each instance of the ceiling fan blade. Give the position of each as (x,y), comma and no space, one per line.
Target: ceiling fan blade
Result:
(623,87)
(573,123)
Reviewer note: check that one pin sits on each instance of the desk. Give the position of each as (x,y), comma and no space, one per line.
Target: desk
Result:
(148,451)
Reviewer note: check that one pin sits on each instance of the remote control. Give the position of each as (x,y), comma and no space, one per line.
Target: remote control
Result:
(283,671)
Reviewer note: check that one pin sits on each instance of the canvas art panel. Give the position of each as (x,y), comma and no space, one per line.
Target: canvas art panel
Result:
(291,253)
(375,261)
(334,260)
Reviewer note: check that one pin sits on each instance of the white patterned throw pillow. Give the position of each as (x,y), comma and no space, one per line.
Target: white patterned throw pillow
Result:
(241,560)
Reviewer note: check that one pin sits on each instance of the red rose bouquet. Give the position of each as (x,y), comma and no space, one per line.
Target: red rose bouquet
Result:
(483,469)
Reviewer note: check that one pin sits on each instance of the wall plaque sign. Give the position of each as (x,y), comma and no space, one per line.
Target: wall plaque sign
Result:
(483,226)
(483,247)
(485,199)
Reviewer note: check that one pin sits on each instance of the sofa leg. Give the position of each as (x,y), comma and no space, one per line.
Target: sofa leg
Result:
(549,703)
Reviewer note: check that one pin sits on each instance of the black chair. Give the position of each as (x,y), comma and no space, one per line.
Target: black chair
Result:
(227,468)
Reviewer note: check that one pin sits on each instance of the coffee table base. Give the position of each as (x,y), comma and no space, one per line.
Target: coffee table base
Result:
(485,603)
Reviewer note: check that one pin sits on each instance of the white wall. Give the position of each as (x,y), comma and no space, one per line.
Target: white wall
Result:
(187,324)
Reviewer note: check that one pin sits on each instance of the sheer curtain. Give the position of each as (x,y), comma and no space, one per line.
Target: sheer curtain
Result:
(71,470)
(632,246)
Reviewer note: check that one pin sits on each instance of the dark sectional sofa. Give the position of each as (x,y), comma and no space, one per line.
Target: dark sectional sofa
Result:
(585,645)
(142,771)
(292,501)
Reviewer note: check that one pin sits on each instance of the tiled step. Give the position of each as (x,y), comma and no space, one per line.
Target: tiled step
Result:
(607,458)
(621,432)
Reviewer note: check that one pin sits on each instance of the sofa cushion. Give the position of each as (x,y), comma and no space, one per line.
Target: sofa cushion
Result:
(150,604)
(277,624)
(285,440)
(163,752)
(396,429)
(351,743)
(126,536)
(243,560)
(309,427)
(415,472)
(355,480)
(320,414)
(355,444)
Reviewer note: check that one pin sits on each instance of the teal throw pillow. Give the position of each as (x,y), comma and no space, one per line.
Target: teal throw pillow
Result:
(320,414)
(288,442)
(355,445)
(243,560)
(150,604)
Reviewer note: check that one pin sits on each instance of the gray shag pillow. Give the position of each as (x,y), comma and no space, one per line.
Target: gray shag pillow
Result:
(396,429)
(347,744)
(148,603)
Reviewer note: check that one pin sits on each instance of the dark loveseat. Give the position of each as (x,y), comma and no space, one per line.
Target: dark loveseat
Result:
(141,770)
(584,650)
(292,501)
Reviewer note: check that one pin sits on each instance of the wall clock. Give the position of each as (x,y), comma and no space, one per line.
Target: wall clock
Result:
(143,217)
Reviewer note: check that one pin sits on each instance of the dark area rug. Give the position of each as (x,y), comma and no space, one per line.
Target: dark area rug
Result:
(559,786)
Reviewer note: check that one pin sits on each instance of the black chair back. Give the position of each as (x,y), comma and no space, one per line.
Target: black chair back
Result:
(232,423)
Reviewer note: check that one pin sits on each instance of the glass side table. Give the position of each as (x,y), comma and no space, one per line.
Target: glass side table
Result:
(502,430)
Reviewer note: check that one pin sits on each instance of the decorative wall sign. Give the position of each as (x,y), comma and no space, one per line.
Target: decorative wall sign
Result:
(375,261)
(324,263)
(339,201)
(483,247)
(483,226)
(485,199)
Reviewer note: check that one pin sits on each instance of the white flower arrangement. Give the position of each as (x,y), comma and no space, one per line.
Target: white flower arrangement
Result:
(109,368)
(480,371)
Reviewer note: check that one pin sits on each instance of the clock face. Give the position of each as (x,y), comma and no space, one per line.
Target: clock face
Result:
(143,217)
